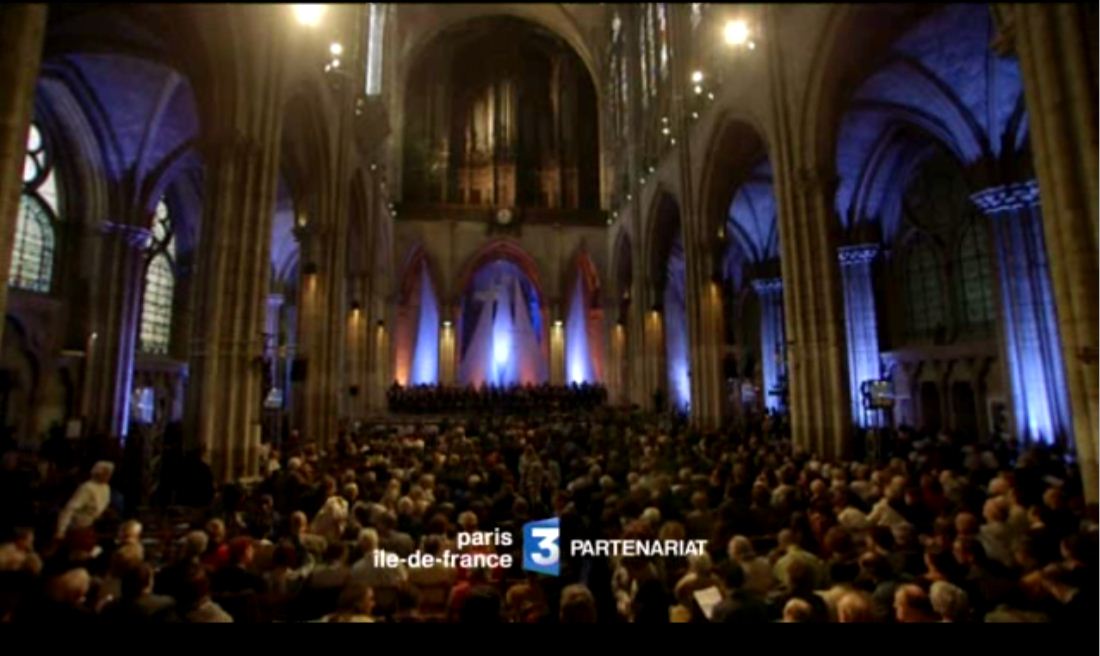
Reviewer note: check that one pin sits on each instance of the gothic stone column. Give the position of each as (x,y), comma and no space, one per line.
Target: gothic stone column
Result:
(769,291)
(814,312)
(1057,50)
(1032,347)
(118,314)
(861,323)
(22,27)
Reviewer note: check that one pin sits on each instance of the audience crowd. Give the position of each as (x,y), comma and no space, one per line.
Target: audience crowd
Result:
(513,399)
(934,530)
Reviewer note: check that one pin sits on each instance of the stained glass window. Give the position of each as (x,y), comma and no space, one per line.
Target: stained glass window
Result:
(160,282)
(924,289)
(972,271)
(33,249)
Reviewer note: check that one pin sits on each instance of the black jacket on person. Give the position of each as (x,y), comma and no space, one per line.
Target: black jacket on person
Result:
(146,609)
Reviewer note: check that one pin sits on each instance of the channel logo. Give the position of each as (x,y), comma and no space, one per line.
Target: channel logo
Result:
(541,546)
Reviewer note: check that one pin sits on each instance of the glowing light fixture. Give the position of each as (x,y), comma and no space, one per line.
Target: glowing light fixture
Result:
(697,77)
(736,32)
(698,89)
(309,15)
(336,49)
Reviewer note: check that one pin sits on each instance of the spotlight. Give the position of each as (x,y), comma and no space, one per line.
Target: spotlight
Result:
(672,141)
(651,169)
(309,15)
(642,181)
(698,89)
(666,131)
(736,32)
(336,49)
(710,96)
(557,323)
(336,63)
(446,323)
(695,115)
(630,196)
(697,77)
(609,222)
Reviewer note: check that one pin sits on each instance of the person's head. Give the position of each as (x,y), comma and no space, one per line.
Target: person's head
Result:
(137,581)
(740,549)
(939,561)
(335,553)
(797,610)
(700,564)
(995,510)
(124,559)
(102,471)
(578,606)
(298,522)
(241,551)
(800,577)
(368,540)
(196,589)
(357,599)
(911,604)
(24,539)
(351,492)
(968,550)
(949,601)
(966,524)
(129,532)
(195,544)
(71,588)
(215,528)
(854,607)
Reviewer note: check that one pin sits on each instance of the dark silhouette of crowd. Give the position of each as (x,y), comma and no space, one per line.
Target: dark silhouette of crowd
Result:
(511,399)
(931,531)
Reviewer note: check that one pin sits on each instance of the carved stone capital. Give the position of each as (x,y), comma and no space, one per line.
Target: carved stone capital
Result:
(764,286)
(1006,198)
(857,254)
(135,236)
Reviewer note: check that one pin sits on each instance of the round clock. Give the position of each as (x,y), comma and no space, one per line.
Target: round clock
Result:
(504,216)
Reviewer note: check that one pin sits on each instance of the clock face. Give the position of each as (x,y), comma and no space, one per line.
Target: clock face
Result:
(504,216)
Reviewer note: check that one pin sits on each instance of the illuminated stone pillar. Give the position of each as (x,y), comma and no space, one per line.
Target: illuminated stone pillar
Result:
(861,324)
(1032,346)
(1057,50)
(117,318)
(447,347)
(769,291)
(22,27)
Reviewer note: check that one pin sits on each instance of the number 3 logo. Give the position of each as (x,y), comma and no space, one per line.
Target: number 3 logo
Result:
(541,552)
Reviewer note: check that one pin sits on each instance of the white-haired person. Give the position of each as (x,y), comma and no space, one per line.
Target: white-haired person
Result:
(77,520)
(950,602)
(758,571)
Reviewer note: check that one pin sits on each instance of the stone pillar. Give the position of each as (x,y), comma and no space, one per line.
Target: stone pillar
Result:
(1058,59)
(240,146)
(1032,347)
(448,344)
(769,291)
(820,409)
(861,323)
(22,27)
(117,317)
(557,344)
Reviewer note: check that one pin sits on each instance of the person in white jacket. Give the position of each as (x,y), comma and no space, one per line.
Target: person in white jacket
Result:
(78,517)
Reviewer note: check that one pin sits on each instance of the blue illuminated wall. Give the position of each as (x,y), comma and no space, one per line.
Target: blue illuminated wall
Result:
(425,363)
(942,86)
(501,329)
(578,355)
(676,330)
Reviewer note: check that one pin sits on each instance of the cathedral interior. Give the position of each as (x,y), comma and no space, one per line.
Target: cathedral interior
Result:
(226,224)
